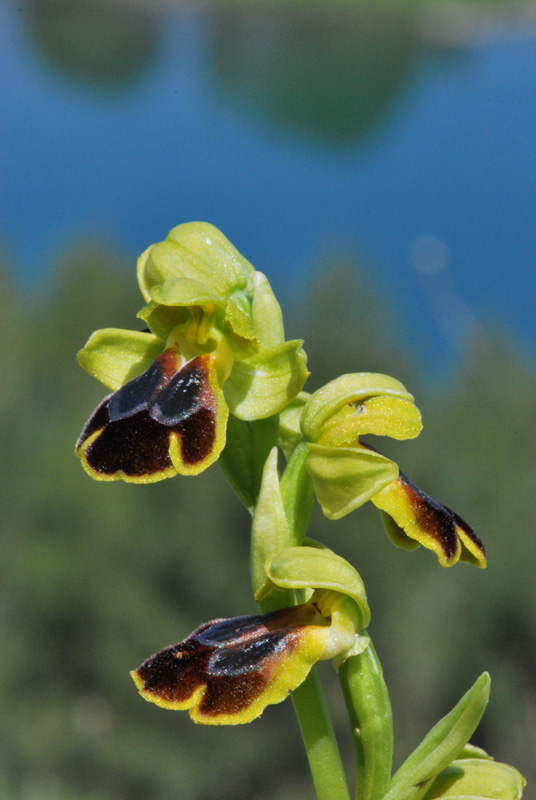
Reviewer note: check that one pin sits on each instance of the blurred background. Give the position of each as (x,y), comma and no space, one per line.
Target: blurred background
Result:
(377,161)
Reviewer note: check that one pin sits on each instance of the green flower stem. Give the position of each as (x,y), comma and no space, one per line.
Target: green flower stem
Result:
(369,709)
(315,723)
(319,739)
(309,703)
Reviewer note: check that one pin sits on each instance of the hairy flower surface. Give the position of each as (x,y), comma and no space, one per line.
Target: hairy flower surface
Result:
(412,517)
(215,345)
(346,472)
(228,670)
(170,419)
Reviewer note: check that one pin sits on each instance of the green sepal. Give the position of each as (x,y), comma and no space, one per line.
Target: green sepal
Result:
(298,494)
(290,434)
(318,568)
(115,356)
(269,530)
(266,311)
(200,252)
(441,745)
(353,388)
(184,292)
(477,779)
(263,384)
(243,458)
(346,477)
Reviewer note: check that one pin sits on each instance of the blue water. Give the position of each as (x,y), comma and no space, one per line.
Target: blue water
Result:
(450,174)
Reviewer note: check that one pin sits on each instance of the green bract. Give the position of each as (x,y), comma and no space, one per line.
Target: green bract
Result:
(215,345)
(280,567)
(478,779)
(441,745)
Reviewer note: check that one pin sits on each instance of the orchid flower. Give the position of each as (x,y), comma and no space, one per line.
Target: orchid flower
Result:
(228,670)
(346,472)
(215,345)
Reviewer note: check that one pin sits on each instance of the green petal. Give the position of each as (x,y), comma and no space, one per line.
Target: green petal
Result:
(267,316)
(346,477)
(198,251)
(477,779)
(381,415)
(197,265)
(264,384)
(115,356)
(348,389)
(162,319)
(187,292)
(312,567)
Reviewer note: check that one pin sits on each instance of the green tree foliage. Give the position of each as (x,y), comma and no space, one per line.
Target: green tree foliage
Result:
(96,576)
(288,62)
(92,42)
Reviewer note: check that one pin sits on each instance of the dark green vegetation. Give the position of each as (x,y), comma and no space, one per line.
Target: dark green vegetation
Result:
(95,577)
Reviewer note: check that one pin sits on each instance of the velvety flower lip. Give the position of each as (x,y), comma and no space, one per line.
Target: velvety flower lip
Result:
(169,420)
(411,517)
(228,670)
